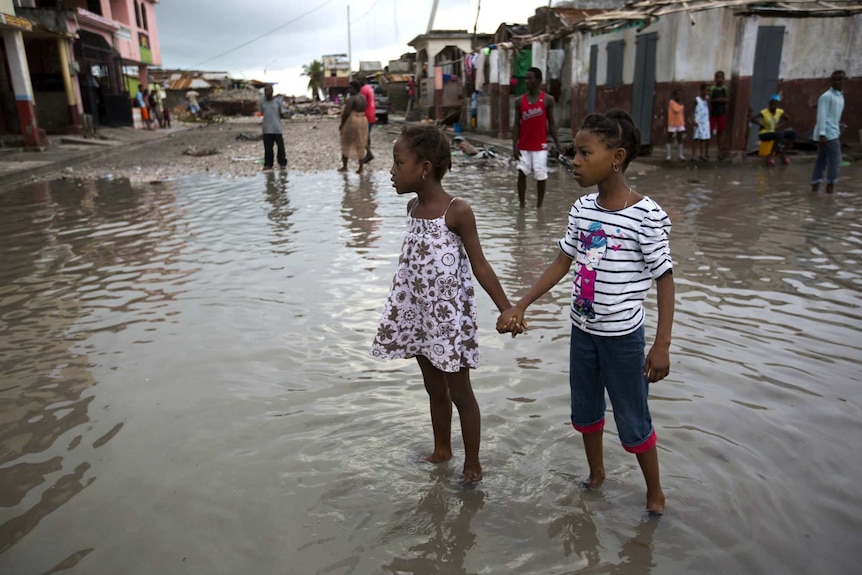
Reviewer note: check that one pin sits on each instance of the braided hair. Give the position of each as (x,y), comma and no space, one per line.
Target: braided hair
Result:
(617,130)
(429,144)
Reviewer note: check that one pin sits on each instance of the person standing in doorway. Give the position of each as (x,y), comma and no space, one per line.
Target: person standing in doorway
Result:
(719,99)
(370,111)
(411,95)
(534,118)
(270,108)
(827,134)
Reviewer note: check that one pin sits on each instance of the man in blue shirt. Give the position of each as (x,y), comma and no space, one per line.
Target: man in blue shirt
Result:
(827,134)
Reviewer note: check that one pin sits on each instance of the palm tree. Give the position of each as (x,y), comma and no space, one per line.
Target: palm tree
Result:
(314,71)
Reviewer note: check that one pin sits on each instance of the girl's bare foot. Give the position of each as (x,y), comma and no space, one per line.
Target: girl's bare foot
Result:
(472,473)
(655,503)
(342,169)
(595,480)
(359,171)
(438,456)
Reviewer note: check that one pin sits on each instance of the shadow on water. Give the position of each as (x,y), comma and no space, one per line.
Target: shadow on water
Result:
(185,367)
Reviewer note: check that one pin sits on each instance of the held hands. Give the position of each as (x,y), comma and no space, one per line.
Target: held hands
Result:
(512,321)
(657,364)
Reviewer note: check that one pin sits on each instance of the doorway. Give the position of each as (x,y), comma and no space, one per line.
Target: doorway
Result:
(643,95)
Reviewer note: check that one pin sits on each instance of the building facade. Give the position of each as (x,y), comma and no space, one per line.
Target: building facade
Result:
(85,61)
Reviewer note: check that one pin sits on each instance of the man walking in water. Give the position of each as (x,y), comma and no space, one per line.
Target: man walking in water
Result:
(534,118)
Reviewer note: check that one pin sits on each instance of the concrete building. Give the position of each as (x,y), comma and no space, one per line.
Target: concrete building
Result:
(17,102)
(440,68)
(634,57)
(336,75)
(85,60)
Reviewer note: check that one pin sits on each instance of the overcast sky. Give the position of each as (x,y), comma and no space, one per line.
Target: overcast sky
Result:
(270,40)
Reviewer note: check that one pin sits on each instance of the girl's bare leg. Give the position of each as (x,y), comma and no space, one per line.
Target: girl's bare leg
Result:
(343,167)
(361,163)
(595,458)
(441,411)
(648,460)
(462,396)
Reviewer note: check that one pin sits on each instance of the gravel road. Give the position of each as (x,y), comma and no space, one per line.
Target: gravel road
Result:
(230,149)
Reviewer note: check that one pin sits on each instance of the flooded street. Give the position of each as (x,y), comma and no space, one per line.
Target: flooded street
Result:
(186,385)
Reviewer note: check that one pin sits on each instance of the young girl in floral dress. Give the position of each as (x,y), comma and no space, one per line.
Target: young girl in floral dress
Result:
(431,312)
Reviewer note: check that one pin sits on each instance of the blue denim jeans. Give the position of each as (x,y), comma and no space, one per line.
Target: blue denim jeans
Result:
(597,363)
(828,158)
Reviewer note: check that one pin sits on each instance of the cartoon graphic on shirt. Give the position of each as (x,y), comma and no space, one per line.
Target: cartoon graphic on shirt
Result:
(593,247)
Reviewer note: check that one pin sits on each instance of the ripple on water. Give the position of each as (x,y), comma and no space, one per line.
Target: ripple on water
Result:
(196,353)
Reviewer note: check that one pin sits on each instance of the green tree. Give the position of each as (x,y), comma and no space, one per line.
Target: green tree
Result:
(314,71)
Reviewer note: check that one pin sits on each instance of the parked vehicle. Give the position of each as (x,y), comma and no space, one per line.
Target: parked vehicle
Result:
(381,101)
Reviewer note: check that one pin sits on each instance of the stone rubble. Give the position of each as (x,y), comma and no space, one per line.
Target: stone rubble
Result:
(233,149)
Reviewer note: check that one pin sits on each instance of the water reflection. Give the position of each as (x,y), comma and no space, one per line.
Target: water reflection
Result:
(276,193)
(359,210)
(79,258)
(585,536)
(442,526)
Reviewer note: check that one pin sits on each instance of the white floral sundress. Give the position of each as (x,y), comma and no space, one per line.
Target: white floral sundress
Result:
(431,309)
(701,116)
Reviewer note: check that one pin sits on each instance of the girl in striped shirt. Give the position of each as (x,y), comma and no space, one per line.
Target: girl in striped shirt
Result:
(618,240)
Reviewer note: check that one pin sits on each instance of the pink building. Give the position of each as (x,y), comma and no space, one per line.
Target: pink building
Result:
(84,60)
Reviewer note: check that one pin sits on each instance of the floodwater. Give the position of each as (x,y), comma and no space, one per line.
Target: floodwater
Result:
(185,385)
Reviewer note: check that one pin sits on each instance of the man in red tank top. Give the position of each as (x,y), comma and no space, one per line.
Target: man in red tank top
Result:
(534,118)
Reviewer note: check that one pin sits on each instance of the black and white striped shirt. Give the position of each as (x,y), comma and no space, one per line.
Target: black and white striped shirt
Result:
(617,255)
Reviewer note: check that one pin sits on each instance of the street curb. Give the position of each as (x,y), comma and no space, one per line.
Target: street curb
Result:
(23,176)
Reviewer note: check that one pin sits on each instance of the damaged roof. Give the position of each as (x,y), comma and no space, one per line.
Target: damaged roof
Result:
(642,13)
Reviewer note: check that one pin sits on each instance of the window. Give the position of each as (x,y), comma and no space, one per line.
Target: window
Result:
(137,13)
(614,77)
(144,16)
(95,6)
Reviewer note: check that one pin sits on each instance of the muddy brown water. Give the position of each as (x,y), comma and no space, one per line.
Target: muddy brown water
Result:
(185,385)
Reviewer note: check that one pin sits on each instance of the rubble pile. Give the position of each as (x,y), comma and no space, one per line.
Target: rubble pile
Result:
(239,102)
(300,109)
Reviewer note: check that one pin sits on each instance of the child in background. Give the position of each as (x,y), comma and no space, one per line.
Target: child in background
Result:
(700,121)
(675,123)
(431,312)
(619,241)
(719,100)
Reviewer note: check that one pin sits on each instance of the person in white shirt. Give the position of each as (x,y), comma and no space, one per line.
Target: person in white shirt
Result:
(270,108)
(827,133)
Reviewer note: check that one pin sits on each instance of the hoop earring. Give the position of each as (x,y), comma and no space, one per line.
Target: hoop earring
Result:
(615,167)
(424,176)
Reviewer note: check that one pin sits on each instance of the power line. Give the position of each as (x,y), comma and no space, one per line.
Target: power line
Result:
(274,30)
(366,14)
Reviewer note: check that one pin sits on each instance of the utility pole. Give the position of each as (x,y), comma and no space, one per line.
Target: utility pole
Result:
(349,51)
(431,20)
